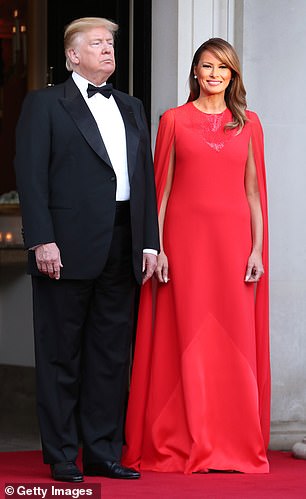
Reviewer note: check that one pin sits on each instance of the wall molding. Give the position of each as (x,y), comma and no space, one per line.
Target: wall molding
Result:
(284,434)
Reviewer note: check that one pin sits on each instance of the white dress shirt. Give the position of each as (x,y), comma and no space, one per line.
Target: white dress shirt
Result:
(111,127)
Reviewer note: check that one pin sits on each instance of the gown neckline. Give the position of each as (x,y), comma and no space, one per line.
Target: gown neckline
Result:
(208,114)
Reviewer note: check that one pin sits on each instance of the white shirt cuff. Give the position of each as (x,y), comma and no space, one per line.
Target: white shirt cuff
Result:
(151,251)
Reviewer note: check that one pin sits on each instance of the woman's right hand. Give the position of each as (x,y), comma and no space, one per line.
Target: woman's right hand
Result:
(161,271)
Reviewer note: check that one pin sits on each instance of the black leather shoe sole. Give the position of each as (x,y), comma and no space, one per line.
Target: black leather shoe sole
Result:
(111,470)
(66,472)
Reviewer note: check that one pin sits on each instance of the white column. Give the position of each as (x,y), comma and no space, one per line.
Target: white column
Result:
(199,20)
(164,59)
(179,28)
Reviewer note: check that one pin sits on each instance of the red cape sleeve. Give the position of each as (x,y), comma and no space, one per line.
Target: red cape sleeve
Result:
(164,143)
(262,291)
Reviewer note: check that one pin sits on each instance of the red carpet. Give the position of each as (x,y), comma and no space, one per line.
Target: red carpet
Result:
(287,480)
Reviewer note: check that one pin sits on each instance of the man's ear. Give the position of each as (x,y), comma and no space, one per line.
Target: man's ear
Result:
(73,56)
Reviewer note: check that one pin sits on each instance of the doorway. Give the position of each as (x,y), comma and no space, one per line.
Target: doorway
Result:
(132,50)
(133,57)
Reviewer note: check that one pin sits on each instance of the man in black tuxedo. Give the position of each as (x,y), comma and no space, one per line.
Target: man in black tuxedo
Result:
(86,185)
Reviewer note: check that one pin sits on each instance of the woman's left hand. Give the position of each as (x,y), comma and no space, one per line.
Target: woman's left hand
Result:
(255,267)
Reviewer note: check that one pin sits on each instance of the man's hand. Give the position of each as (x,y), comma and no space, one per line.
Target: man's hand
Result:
(48,260)
(149,263)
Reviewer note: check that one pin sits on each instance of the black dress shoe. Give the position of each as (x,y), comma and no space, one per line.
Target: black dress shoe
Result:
(110,469)
(66,472)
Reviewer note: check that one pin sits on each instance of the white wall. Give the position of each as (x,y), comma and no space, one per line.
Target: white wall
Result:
(16,331)
(275,71)
(164,59)
(16,336)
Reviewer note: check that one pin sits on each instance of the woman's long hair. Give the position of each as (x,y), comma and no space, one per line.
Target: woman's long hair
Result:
(235,92)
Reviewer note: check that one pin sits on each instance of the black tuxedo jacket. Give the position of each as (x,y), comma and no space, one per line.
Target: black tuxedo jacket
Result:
(67,185)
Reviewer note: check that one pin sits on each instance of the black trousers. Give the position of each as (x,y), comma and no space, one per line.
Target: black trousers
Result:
(83,331)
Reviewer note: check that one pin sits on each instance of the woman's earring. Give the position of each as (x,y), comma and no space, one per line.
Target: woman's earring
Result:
(195,77)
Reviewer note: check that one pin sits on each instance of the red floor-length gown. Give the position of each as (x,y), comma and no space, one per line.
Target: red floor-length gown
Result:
(200,388)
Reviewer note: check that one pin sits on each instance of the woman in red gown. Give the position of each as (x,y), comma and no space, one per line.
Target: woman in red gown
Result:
(200,388)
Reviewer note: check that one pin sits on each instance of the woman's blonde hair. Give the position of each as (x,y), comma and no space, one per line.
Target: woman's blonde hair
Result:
(235,94)
(79,26)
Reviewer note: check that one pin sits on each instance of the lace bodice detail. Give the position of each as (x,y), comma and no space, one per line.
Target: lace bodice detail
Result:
(212,128)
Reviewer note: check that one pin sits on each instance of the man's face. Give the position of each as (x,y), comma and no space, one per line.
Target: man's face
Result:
(93,55)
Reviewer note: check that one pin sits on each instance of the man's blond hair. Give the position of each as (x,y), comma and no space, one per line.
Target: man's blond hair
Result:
(79,26)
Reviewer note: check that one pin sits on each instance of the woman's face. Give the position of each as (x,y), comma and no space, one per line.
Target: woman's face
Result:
(212,74)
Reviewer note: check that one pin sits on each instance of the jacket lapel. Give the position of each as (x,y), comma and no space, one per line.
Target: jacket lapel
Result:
(77,108)
(131,130)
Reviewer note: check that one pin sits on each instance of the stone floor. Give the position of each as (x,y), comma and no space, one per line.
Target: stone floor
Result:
(18,420)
